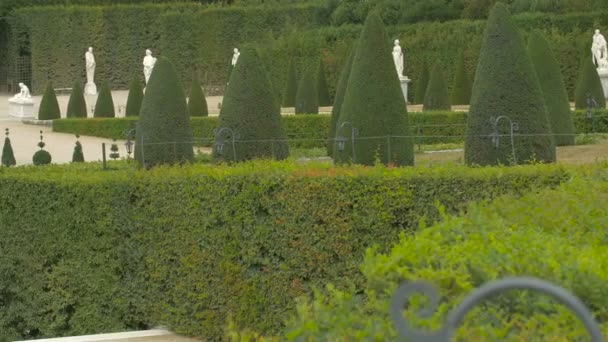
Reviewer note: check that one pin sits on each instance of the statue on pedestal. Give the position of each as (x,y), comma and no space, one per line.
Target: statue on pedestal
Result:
(235,56)
(149,63)
(21,105)
(398,58)
(599,50)
(24,93)
(90,88)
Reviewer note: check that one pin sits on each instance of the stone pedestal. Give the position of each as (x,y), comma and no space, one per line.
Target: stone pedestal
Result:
(404,83)
(21,108)
(90,88)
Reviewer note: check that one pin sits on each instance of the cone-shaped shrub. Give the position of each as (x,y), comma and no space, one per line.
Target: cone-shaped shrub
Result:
(104,108)
(339,99)
(291,87)
(41,157)
(506,87)
(373,105)
(164,135)
(436,97)
(77,106)
(553,88)
(323,91)
(251,112)
(421,84)
(197,104)
(461,89)
(307,97)
(588,83)
(49,107)
(136,96)
(8,157)
(77,155)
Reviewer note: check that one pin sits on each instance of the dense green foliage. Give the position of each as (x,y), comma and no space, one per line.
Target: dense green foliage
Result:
(8,156)
(422,83)
(553,88)
(338,100)
(127,249)
(589,85)
(307,96)
(374,105)
(49,107)
(135,98)
(436,96)
(77,106)
(323,90)
(251,115)
(561,241)
(506,85)
(104,107)
(77,155)
(291,87)
(461,88)
(197,103)
(163,134)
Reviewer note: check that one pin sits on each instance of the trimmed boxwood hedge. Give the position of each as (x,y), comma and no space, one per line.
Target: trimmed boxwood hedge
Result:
(188,247)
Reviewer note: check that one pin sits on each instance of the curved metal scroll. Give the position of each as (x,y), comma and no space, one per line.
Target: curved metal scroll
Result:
(491,289)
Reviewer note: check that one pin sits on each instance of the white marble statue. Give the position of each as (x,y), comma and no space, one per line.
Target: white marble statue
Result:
(24,93)
(90,88)
(599,50)
(235,56)
(149,63)
(21,105)
(398,58)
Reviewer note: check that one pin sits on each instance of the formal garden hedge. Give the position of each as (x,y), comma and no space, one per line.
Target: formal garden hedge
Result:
(190,247)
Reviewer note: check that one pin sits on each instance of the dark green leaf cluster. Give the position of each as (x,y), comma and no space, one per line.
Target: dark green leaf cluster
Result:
(307,97)
(77,106)
(291,87)
(135,98)
(323,90)
(104,107)
(421,83)
(8,156)
(589,91)
(436,96)
(339,99)
(197,104)
(78,155)
(461,89)
(49,107)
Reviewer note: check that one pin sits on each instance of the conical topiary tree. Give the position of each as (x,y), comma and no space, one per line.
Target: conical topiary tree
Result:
(553,88)
(197,104)
(374,108)
(339,99)
(436,97)
(163,134)
(250,119)
(77,106)
(135,98)
(104,108)
(461,89)
(307,97)
(291,86)
(506,90)
(49,107)
(41,157)
(322,89)
(421,83)
(588,84)
(77,155)
(8,157)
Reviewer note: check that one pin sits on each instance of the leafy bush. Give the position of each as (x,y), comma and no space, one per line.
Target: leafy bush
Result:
(135,98)
(461,90)
(186,247)
(422,83)
(49,107)
(323,91)
(436,96)
(307,96)
(104,108)
(77,106)
(197,103)
(164,135)
(291,87)
(506,85)
(339,99)
(589,84)
(77,155)
(41,157)
(8,156)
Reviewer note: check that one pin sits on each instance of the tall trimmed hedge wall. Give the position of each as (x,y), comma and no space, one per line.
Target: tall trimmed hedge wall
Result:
(130,250)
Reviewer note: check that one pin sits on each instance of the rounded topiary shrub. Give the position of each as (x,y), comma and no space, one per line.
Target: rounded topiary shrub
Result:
(8,156)
(164,135)
(291,86)
(421,83)
(339,99)
(436,97)
(77,106)
(136,96)
(553,88)
(461,89)
(322,88)
(104,108)
(49,107)
(250,115)
(197,104)
(41,157)
(589,84)
(506,89)
(307,97)
(373,106)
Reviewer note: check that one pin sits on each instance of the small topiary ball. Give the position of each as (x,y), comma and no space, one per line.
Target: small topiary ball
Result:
(41,157)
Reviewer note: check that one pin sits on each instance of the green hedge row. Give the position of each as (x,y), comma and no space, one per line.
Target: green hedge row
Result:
(84,250)
(308,131)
